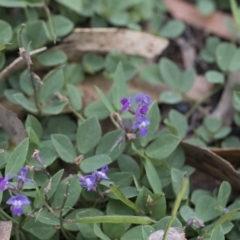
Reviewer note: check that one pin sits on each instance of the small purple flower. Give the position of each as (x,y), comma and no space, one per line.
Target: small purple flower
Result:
(141,123)
(88,181)
(141,110)
(22,177)
(143,98)
(101,174)
(17,202)
(4,182)
(126,102)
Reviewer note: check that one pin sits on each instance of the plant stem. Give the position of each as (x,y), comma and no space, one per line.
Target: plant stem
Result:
(61,211)
(8,217)
(76,113)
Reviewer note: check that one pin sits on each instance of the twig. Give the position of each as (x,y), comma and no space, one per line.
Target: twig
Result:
(8,217)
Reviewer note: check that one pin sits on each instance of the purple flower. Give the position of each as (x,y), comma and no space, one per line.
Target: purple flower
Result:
(88,181)
(141,110)
(22,177)
(4,182)
(17,202)
(91,181)
(126,102)
(101,174)
(143,98)
(141,123)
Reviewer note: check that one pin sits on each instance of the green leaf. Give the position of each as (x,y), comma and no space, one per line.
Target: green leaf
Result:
(34,32)
(199,193)
(169,72)
(217,234)
(205,208)
(128,164)
(212,124)
(6,32)
(112,143)
(172,29)
(128,192)
(235,12)
(75,96)
(62,25)
(134,233)
(13,3)
(235,61)
(158,211)
(152,176)
(231,142)
(223,194)
(115,219)
(55,180)
(74,5)
(2,60)
(33,138)
(187,80)
(97,230)
(223,132)
(25,83)
(208,54)
(214,77)
(54,107)
(151,74)
(105,101)
(119,18)
(146,232)
(52,58)
(88,135)
(224,54)
(17,158)
(92,63)
(115,190)
(24,102)
(73,73)
(170,97)
(93,163)
(162,147)
(206,7)
(64,147)
(119,87)
(121,179)
(74,191)
(179,121)
(177,177)
(39,230)
(35,125)
(155,118)
(53,83)
(96,108)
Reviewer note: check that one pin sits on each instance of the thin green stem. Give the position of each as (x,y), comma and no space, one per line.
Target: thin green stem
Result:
(45,203)
(76,113)
(8,217)
(61,212)
(46,8)
(20,36)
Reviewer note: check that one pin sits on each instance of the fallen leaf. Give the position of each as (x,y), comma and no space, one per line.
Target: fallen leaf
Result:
(187,12)
(210,163)
(104,40)
(5,230)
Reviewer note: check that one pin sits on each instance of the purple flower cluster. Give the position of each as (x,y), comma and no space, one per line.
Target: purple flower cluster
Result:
(17,201)
(90,182)
(141,121)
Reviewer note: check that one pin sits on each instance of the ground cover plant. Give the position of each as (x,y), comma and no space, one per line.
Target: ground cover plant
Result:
(119,120)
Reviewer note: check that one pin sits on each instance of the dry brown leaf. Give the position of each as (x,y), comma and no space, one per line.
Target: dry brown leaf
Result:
(174,233)
(216,23)
(200,88)
(104,40)
(211,164)
(5,230)
(12,125)
(224,109)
